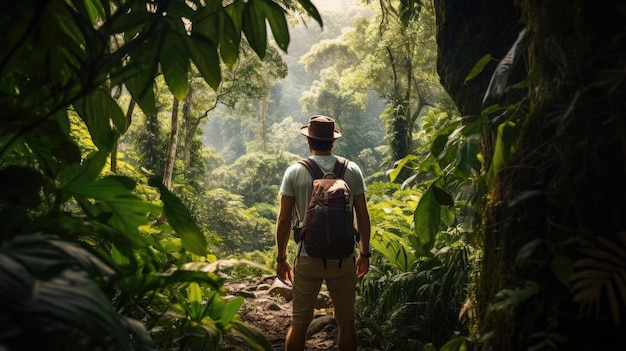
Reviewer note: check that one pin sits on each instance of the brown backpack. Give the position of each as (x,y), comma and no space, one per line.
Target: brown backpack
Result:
(328,231)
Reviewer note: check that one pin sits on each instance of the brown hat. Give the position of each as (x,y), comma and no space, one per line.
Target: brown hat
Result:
(321,128)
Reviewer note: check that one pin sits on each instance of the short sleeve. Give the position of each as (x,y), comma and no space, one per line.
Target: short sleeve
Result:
(354,178)
(287,184)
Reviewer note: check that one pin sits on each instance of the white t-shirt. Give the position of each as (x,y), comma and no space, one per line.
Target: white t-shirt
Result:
(298,183)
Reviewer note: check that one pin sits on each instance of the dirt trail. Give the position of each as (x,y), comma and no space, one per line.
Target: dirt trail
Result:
(267,306)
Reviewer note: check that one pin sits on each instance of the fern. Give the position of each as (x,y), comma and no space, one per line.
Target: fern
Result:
(603,269)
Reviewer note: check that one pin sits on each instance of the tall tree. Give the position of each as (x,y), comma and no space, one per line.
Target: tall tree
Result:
(170,156)
(550,109)
(187,123)
(406,47)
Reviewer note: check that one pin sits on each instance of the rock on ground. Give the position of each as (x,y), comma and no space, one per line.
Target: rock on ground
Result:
(267,307)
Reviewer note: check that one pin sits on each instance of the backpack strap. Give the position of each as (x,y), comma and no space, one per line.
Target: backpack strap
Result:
(313,168)
(339,170)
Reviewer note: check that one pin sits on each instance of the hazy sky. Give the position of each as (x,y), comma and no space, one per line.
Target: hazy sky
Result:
(332,3)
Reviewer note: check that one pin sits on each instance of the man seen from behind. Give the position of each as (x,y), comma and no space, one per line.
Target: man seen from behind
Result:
(341,275)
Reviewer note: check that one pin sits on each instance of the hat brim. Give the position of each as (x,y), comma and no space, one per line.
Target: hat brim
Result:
(304,130)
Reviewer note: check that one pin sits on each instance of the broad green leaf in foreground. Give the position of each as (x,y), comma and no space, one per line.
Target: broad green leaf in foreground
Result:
(180,219)
(128,212)
(428,213)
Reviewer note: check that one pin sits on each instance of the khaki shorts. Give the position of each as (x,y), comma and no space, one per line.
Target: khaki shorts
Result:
(340,282)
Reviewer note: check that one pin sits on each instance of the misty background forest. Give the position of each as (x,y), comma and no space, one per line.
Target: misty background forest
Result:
(245,134)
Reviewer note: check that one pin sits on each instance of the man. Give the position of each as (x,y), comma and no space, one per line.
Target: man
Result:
(310,272)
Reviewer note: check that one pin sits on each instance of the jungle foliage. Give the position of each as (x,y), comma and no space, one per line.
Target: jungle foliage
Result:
(81,243)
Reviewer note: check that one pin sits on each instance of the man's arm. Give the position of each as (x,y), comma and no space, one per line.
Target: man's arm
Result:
(364,228)
(283,233)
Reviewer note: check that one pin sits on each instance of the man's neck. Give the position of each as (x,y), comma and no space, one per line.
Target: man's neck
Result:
(321,152)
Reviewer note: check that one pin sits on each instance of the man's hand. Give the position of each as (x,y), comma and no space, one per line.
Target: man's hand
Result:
(283,273)
(362,266)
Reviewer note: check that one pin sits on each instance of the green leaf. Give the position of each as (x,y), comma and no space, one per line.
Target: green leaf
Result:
(174,58)
(185,276)
(223,264)
(448,215)
(84,172)
(427,216)
(442,197)
(278,23)
(46,255)
(94,10)
(430,165)
(254,26)
(438,144)
(506,137)
(120,258)
(235,11)
(180,219)
(130,23)
(478,67)
(505,67)
(13,33)
(69,299)
(441,138)
(51,143)
(509,298)
(64,303)
(409,10)
(127,211)
(454,344)
(468,156)
(231,309)
(395,249)
(205,57)
(194,294)
(393,174)
(97,110)
(221,28)
(477,125)
(194,302)
(143,67)
(252,336)
(562,268)
(312,11)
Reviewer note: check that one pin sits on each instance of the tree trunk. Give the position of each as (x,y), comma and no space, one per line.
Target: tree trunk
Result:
(553,227)
(188,129)
(263,115)
(153,160)
(170,159)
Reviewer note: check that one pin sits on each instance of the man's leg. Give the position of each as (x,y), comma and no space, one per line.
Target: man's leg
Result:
(347,338)
(341,284)
(306,287)
(296,338)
